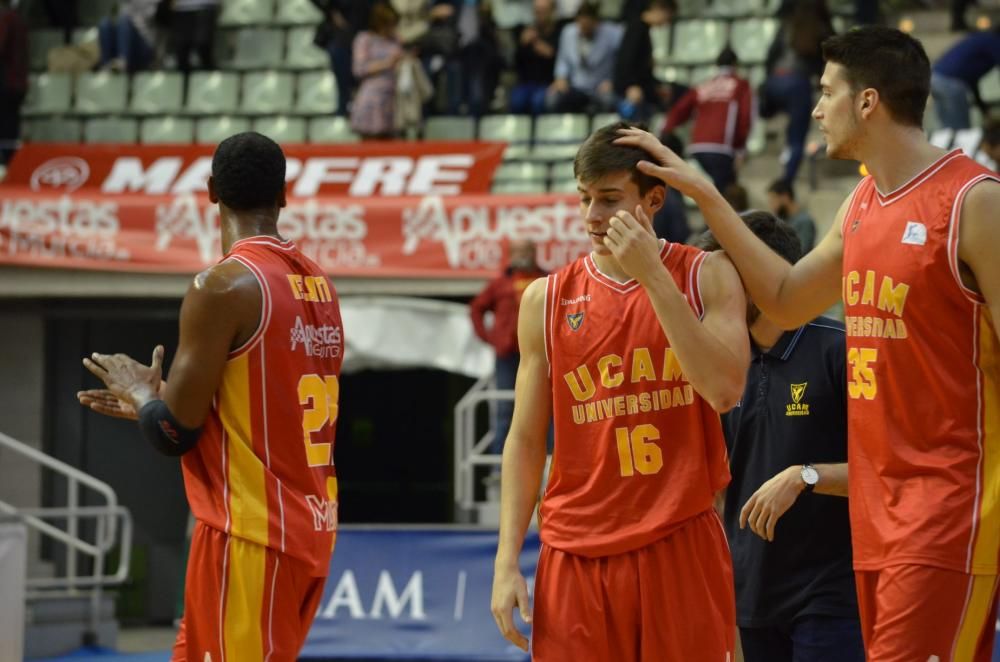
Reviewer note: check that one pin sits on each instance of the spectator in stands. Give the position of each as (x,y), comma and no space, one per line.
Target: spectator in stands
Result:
(502,297)
(194,30)
(957,73)
(535,59)
(585,65)
(13,77)
(478,59)
(722,113)
(781,200)
(635,84)
(376,52)
(793,60)
(958,8)
(737,196)
(342,20)
(62,14)
(128,40)
(671,222)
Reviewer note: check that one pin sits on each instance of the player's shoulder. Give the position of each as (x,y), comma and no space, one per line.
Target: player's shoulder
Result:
(224,279)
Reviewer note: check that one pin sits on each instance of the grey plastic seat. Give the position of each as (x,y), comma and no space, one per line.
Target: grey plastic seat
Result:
(281,128)
(698,41)
(169,129)
(660,37)
(989,86)
(237,13)
(450,128)
(157,92)
(564,186)
(213,130)
(562,171)
(302,53)
(40,42)
(48,94)
(524,171)
(100,93)
(61,130)
(111,130)
(212,92)
(604,119)
(331,130)
(752,37)
(267,93)
(297,12)
(558,137)
(515,130)
(259,48)
(519,186)
(316,93)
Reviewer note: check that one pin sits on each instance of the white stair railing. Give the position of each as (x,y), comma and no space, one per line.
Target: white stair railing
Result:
(112,528)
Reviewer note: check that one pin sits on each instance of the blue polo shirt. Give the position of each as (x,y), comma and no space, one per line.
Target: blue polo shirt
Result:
(971,58)
(793,412)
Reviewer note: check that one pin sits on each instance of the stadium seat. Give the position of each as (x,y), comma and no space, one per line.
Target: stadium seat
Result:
(297,12)
(515,130)
(212,130)
(92,11)
(331,130)
(703,73)
(562,171)
(100,93)
(557,137)
(303,53)
(989,86)
(169,129)
(660,36)
(267,93)
(236,13)
(698,41)
(518,186)
(675,74)
(211,92)
(757,139)
(52,131)
(603,119)
(111,130)
(731,8)
(40,42)
(522,172)
(48,94)
(157,92)
(942,138)
(564,186)
(508,14)
(316,93)
(450,128)
(282,129)
(752,37)
(259,48)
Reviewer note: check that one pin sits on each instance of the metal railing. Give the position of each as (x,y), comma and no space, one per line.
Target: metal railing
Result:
(112,528)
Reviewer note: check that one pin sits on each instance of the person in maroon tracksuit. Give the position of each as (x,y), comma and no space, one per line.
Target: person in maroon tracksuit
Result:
(722,112)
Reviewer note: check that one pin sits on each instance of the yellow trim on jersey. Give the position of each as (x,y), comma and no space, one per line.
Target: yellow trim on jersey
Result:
(987,544)
(247,489)
(974,624)
(243,637)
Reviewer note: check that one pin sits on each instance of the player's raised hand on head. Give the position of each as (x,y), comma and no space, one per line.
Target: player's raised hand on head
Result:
(632,241)
(126,378)
(510,591)
(664,164)
(772,500)
(105,402)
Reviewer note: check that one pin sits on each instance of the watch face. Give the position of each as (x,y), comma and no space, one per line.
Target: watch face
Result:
(810,476)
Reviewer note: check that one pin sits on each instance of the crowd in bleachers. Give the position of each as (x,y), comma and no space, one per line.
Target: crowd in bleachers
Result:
(536,73)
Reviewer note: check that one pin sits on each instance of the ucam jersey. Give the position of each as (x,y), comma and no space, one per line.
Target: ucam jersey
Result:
(923,371)
(637,450)
(263,468)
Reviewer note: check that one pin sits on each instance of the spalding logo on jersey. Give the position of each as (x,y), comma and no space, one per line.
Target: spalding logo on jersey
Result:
(575,320)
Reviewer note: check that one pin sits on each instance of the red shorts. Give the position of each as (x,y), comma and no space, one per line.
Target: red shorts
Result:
(243,602)
(671,600)
(916,613)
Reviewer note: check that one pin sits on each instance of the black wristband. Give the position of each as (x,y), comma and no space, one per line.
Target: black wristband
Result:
(162,430)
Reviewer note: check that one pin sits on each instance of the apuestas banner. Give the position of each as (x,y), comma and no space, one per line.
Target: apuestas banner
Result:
(389,169)
(423,237)
(413,593)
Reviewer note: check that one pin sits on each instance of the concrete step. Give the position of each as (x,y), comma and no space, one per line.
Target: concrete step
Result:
(60,622)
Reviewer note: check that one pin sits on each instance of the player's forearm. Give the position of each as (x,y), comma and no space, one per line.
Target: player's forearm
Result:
(763,271)
(832,479)
(521,478)
(713,369)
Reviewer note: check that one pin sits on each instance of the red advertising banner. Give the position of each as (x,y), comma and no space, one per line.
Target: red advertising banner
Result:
(424,237)
(386,169)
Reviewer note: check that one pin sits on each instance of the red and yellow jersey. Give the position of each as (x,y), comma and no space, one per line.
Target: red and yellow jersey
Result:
(923,380)
(263,468)
(637,450)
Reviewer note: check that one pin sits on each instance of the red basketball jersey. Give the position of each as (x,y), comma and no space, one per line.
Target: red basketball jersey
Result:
(263,467)
(923,377)
(637,450)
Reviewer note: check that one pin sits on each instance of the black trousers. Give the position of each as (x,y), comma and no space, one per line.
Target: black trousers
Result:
(194,31)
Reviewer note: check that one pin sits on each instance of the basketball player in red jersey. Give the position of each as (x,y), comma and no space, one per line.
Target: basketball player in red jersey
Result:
(913,253)
(250,407)
(632,351)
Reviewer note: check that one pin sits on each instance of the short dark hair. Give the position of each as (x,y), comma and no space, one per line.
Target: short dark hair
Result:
(588,10)
(727,58)
(991,132)
(737,196)
(782,186)
(889,60)
(770,229)
(598,157)
(383,17)
(248,171)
